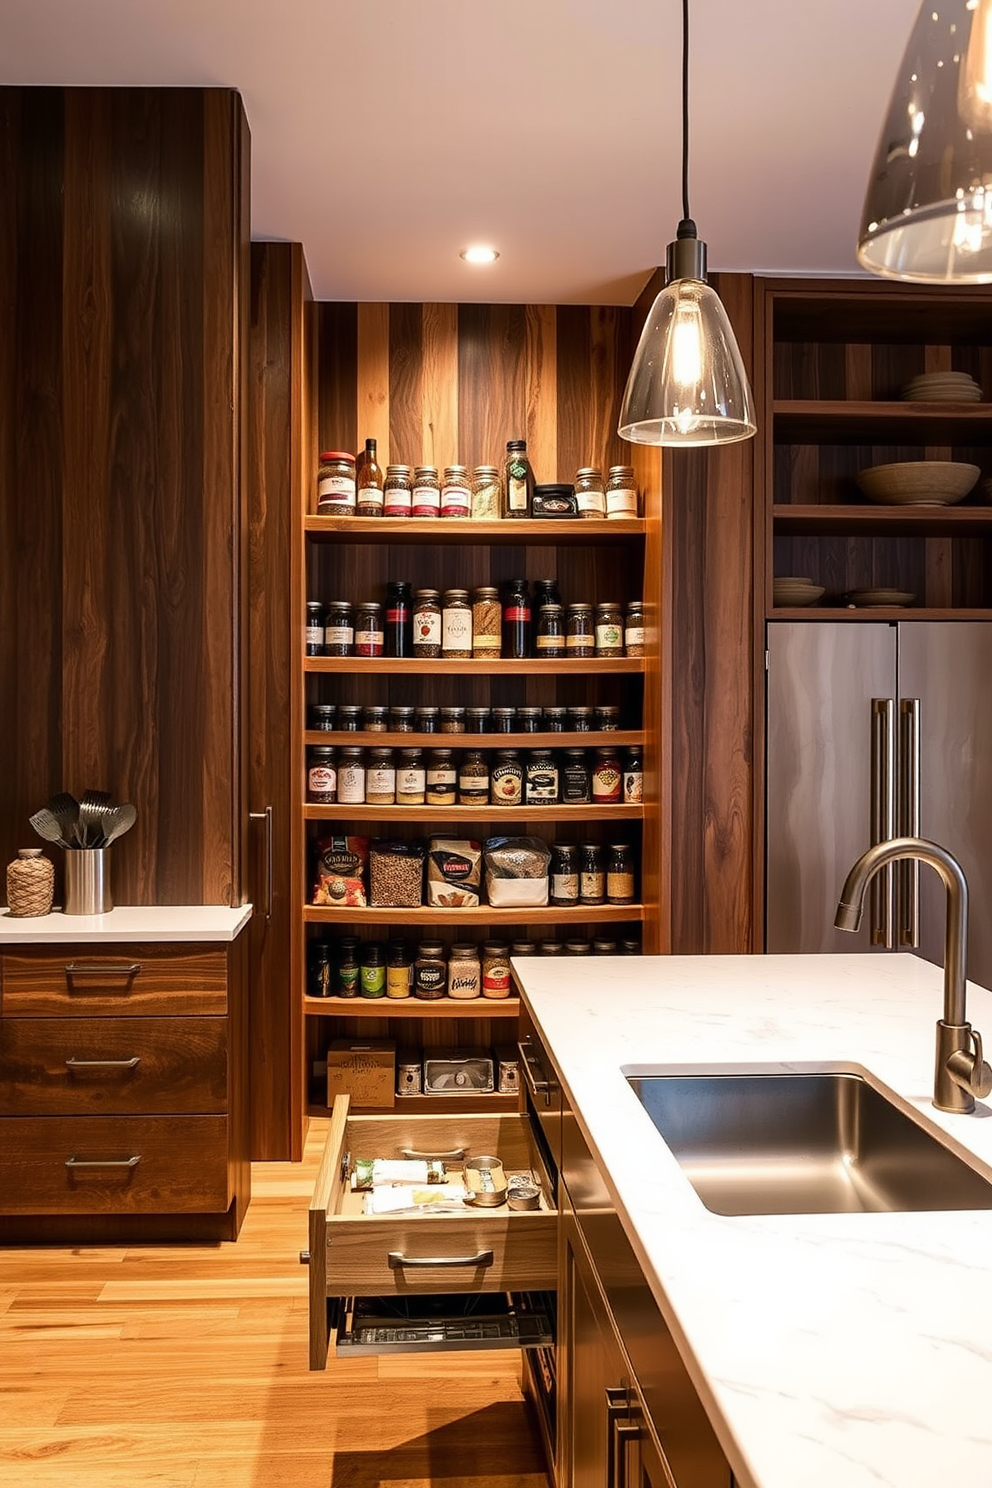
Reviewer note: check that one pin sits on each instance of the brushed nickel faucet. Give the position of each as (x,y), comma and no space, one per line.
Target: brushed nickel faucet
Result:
(961,1073)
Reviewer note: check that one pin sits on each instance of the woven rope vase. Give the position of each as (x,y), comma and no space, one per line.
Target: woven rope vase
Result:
(30,883)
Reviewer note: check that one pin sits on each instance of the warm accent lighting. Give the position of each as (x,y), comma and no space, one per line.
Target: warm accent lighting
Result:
(479,255)
(928,210)
(687,384)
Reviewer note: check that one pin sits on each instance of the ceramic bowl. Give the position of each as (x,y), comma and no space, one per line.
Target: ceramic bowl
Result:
(918,482)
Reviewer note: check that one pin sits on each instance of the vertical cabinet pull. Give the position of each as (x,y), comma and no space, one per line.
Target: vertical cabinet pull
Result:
(266,816)
(623,1433)
(882,816)
(909,819)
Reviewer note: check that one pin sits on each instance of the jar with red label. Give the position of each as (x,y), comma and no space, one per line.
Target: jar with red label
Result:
(397,492)
(456,492)
(516,620)
(368,629)
(427,623)
(607,777)
(426,494)
(336,484)
(399,619)
(495,969)
(322,776)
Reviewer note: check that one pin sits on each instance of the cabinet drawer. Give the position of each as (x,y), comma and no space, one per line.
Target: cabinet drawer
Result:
(114,981)
(481,1250)
(113,1164)
(113,1066)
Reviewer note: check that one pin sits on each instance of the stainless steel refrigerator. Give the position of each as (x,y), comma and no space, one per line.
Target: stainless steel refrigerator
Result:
(877,730)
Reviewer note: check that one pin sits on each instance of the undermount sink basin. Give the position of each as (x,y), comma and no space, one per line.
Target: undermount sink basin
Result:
(817,1143)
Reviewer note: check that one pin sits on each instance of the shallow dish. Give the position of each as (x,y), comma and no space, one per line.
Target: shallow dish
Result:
(797,594)
(918,482)
(869,597)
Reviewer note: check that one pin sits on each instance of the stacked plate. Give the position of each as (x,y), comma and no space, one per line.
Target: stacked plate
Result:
(870,597)
(796,591)
(942,387)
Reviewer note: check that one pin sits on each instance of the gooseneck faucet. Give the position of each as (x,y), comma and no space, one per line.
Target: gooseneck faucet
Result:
(961,1073)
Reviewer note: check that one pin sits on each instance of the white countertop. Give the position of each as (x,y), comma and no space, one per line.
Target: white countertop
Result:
(831,1351)
(123,923)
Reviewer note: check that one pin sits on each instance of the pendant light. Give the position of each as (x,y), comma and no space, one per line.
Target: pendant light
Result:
(928,210)
(687,384)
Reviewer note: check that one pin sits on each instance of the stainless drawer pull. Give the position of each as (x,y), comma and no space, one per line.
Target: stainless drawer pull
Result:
(107,1162)
(397,1260)
(74,968)
(415,1156)
(535,1086)
(79,1064)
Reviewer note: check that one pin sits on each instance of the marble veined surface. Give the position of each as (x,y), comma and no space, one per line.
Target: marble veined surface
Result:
(831,1351)
(123,923)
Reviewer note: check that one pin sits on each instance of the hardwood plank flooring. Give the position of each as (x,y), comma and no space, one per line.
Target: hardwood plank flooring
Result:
(186,1367)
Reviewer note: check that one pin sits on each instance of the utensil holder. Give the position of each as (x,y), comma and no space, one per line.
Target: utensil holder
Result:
(87,881)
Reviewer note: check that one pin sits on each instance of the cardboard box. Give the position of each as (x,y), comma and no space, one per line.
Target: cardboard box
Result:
(364,1069)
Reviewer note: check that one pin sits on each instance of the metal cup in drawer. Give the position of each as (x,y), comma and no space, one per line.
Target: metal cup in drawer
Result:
(485,1181)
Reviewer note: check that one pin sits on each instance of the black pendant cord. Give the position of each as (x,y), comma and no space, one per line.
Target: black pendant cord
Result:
(686,215)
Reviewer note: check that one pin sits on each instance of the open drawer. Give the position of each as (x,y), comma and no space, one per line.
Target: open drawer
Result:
(394,1257)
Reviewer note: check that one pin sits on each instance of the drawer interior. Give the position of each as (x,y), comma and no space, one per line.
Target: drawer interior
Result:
(449,1322)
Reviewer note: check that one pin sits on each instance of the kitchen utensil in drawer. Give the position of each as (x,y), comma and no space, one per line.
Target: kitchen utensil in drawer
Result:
(457,1072)
(485,1181)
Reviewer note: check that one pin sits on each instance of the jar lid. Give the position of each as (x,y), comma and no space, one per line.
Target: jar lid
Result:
(338,455)
(35,852)
(375,710)
(504,712)
(510,754)
(516,444)
(580,608)
(619,847)
(634,604)
(398,585)
(555,712)
(588,472)
(370,604)
(412,753)
(327,710)
(442,753)
(577,948)
(604,947)
(490,947)
(606,749)
(429,710)
(453,595)
(381,751)
(622,470)
(607,604)
(576,754)
(541,754)
(348,710)
(424,470)
(455,471)
(400,471)
(464,948)
(554,608)
(522,948)
(487,591)
(427,594)
(564,849)
(477,712)
(351,749)
(529,712)
(340,604)
(456,712)
(430,948)
(487,471)
(321,751)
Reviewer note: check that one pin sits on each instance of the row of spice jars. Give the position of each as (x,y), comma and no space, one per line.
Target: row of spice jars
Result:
(382,776)
(456,626)
(376,718)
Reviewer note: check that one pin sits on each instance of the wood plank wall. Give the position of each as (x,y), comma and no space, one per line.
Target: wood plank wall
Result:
(123,256)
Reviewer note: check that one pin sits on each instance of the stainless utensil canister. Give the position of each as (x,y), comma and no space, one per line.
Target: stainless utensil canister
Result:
(87,881)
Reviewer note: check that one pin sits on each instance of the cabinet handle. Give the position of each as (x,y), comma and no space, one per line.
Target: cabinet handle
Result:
(415,1156)
(80,1064)
(909,819)
(397,1260)
(535,1086)
(882,815)
(94,968)
(106,1162)
(266,816)
(622,1433)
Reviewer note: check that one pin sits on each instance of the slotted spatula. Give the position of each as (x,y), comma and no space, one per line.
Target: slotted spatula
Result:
(48,826)
(65,809)
(89,828)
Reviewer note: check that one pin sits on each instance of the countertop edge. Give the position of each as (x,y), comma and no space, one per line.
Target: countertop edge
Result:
(176,923)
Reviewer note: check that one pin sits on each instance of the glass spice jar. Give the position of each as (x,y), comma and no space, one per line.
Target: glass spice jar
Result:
(339,628)
(633,776)
(550,639)
(621,492)
(619,874)
(375,719)
(464,972)
(426,494)
(349,967)
(504,720)
(633,628)
(368,629)
(321,717)
(322,776)
(473,779)
(606,718)
(604,947)
(495,969)
(380,778)
(372,978)
(456,625)
(399,970)
(580,720)
(487,616)
(580,632)
(564,886)
(523,948)
(453,720)
(411,778)
(442,778)
(528,720)
(609,629)
(336,484)
(575,781)
(607,777)
(550,948)
(477,720)
(629,947)
(541,779)
(486,493)
(554,720)
(430,974)
(426,719)
(349,717)
(427,623)
(397,491)
(313,635)
(507,781)
(351,776)
(592,874)
(456,493)
(401,720)
(578,948)
(589,492)
(399,619)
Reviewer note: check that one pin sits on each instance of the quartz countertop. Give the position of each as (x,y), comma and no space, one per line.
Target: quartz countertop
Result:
(126,923)
(830,1351)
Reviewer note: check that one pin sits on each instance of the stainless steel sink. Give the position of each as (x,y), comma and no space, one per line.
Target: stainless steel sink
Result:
(818,1143)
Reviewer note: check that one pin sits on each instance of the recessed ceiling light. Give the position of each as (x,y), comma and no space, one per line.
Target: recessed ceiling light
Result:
(479,254)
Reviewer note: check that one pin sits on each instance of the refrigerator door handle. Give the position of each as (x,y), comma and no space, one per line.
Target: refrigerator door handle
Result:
(909,819)
(882,816)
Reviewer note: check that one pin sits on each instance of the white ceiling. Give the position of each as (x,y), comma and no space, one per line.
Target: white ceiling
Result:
(388,134)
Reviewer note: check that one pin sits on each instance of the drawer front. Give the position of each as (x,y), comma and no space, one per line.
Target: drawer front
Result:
(113,1066)
(114,1165)
(496,1251)
(115,981)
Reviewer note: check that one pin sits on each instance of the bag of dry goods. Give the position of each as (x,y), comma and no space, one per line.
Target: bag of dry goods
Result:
(454,872)
(340,876)
(516,871)
(396,874)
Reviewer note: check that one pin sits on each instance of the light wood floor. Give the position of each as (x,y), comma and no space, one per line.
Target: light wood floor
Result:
(186,1367)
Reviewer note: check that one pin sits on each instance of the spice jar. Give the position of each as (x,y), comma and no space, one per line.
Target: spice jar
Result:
(528,720)
(339,629)
(606,718)
(313,635)
(456,494)
(629,947)
(411,778)
(554,720)
(619,874)
(351,776)
(589,492)
(349,717)
(336,484)
(321,717)
(456,625)
(426,720)
(495,969)
(609,629)
(453,720)
(397,492)
(550,948)
(633,628)
(429,971)
(380,778)
(633,776)
(349,968)
(401,720)
(507,782)
(541,779)
(578,948)
(607,777)
(621,492)
(473,779)
(580,632)
(322,776)
(399,619)
(441,778)
(523,948)
(487,618)
(320,969)
(604,947)
(550,640)
(486,493)
(426,492)
(518,482)
(580,720)
(575,780)
(399,969)
(504,720)
(477,720)
(375,719)
(592,875)
(427,623)
(564,887)
(516,620)
(464,972)
(372,981)
(368,629)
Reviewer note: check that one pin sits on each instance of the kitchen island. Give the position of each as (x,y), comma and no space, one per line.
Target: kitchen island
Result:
(829,1350)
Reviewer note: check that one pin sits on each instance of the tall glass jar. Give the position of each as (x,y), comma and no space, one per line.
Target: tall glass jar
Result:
(621,492)
(576,787)
(456,625)
(380,778)
(336,484)
(339,628)
(589,492)
(430,974)
(456,493)
(550,640)
(541,779)
(426,494)
(314,636)
(633,628)
(368,629)
(609,629)
(322,775)
(399,970)
(495,969)
(351,776)
(464,972)
(507,781)
(411,778)
(580,631)
(607,777)
(619,874)
(473,779)
(486,623)
(486,493)
(518,482)
(442,778)
(427,623)
(564,884)
(633,776)
(516,620)
(592,873)
(397,493)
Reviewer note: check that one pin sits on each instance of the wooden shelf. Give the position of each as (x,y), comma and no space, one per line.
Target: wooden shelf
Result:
(570,739)
(411,1007)
(432,1105)
(550,914)
(882,521)
(553,532)
(802,421)
(505,667)
(875,612)
(505,814)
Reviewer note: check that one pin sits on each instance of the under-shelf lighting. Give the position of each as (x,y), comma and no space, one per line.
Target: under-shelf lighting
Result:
(479,254)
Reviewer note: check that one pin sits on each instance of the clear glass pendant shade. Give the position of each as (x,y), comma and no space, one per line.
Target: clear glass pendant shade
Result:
(928,210)
(687,384)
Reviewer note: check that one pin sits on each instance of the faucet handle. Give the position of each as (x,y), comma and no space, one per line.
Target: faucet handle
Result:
(970,1071)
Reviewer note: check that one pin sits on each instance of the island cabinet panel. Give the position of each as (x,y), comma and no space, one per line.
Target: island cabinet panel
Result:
(123,283)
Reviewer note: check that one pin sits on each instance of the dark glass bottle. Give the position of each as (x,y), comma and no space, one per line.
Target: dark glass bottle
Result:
(320,976)
(399,619)
(516,620)
(349,969)
(518,482)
